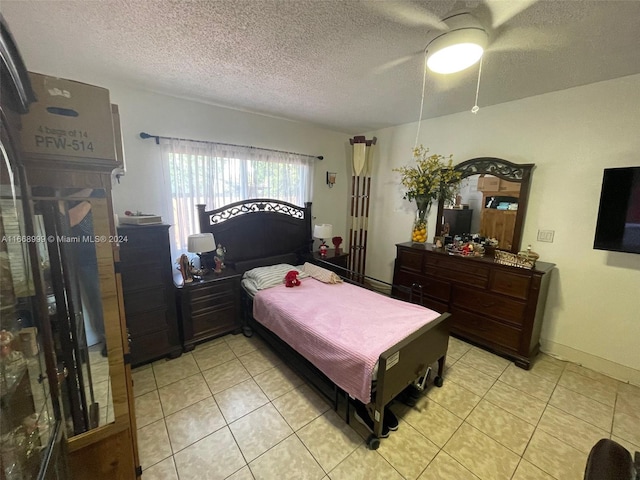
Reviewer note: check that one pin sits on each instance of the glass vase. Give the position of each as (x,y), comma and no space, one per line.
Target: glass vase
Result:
(420,228)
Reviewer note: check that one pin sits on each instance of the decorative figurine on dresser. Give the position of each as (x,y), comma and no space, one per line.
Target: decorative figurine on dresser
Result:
(496,301)
(149,299)
(219,258)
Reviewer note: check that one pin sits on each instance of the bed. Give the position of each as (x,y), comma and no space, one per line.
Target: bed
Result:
(264,232)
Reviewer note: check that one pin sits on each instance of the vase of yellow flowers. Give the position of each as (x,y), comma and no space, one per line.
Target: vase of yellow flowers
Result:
(420,229)
(432,178)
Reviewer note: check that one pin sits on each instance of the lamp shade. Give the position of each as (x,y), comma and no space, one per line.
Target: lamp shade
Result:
(323,231)
(456,50)
(201,242)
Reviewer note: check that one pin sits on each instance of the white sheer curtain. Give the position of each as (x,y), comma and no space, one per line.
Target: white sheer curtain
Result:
(216,175)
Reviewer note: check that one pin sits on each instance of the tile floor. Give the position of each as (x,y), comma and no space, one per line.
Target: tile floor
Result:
(232,409)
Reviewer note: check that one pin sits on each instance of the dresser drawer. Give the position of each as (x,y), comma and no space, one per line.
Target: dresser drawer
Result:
(151,346)
(496,306)
(147,322)
(214,300)
(212,304)
(410,260)
(430,286)
(142,300)
(210,323)
(458,276)
(152,253)
(213,289)
(479,328)
(138,236)
(466,266)
(512,284)
(140,277)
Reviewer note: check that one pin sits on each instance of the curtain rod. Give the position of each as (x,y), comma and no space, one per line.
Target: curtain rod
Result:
(144,135)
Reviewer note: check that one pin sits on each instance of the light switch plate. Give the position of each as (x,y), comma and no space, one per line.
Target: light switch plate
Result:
(546,235)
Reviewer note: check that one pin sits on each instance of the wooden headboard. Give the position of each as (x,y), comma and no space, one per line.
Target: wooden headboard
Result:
(259,231)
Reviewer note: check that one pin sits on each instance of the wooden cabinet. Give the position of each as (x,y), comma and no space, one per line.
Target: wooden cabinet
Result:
(149,298)
(208,308)
(499,224)
(495,306)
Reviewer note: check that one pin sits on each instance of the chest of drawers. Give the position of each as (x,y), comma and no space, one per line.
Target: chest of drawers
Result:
(498,307)
(208,308)
(149,298)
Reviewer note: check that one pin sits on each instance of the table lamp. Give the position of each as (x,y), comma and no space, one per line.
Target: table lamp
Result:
(201,243)
(323,232)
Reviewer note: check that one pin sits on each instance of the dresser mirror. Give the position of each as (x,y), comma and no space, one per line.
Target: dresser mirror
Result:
(496,191)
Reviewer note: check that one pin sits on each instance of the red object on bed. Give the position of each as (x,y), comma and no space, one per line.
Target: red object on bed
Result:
(341,328)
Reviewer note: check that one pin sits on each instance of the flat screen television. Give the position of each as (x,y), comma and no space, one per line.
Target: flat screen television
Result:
(618,226)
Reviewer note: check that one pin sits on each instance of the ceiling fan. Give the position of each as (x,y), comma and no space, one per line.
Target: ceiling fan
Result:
(486,26)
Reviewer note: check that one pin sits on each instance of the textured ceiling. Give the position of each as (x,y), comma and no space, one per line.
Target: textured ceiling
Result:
(348,65)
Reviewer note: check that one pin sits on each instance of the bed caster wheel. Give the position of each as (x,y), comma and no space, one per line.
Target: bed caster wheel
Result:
(373,442)
(438,381)
(247,331)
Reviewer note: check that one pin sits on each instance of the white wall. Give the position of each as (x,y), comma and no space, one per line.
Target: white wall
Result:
(143,187)
(593,309)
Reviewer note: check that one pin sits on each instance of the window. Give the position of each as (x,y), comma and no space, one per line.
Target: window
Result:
(217,174)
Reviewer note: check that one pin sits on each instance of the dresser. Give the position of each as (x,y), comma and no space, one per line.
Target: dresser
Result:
(149,299)
(495,306)
(208,308)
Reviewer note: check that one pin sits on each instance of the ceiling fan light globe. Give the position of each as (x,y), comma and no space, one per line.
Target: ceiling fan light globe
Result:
(456,50)
(455,58)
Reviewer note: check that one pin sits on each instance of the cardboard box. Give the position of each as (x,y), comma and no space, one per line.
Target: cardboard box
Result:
(488,184)
(70,119)
(511,187)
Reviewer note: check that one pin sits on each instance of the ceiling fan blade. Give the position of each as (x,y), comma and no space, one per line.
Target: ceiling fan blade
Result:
(501,11)
(394,63)
(408,14)
(522,38)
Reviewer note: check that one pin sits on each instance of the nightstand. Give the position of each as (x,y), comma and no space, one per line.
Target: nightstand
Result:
(208,308)
(332,260)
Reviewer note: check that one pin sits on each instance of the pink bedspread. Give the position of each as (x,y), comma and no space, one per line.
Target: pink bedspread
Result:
(341,328)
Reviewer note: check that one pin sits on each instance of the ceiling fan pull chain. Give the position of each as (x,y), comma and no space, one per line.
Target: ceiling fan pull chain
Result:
(476,107)
(424,81)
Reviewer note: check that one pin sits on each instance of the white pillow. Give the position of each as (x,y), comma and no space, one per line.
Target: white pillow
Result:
(265,277)
(321,274)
